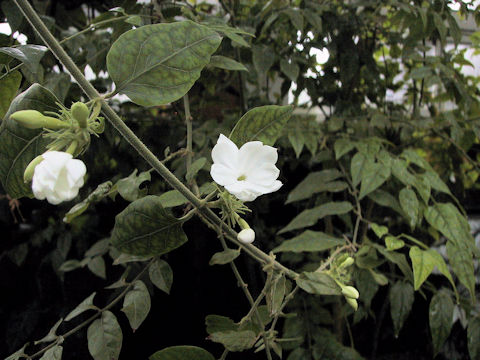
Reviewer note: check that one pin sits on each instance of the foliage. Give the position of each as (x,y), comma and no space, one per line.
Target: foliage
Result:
(375,195)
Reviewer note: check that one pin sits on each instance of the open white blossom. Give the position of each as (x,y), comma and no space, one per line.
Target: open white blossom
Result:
(246,236)
(58,177)
(247,172)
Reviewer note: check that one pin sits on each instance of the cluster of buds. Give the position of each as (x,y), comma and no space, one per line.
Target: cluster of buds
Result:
(56,175)
(350,293)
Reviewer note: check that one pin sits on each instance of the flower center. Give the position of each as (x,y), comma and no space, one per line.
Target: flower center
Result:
(241,178)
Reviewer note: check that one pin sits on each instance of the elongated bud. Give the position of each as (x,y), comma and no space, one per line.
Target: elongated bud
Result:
(246,236)
(243,224)
(350,292)
(30,170)
(353,303)
(33,119)
(80,113)
(347,262)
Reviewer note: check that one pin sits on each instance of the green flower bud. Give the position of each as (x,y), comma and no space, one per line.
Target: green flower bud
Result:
(30,170)
(350,292)
(32,119)
(243,224)
(353,303)
(347,262)
(80,113)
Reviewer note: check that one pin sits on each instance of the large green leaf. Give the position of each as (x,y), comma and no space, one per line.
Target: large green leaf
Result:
(235,340)
(158,64)
(30,55)
(8,89)
(136,304)
(373,176)
(461,261)
(446,218)
(145,228)
(264,123)
(409,203)
(310,241)
(19,145)
(424,261)
(182,353)
(401,301)
(105,337)
(309,217)
(318,283)
(473,335)
(358,165)
(314,182)
(440,317)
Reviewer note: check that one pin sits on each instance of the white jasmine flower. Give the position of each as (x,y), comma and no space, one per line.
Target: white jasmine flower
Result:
(247,172)
(58,177)
(246,236)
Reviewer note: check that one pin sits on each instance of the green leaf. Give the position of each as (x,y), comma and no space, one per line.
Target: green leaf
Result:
(461,261)
(318,283)
(195,168)
(383,198)
(172,198)
(436,182)
(310,217)
(398,259)
(8,89)
(401,172)
(440,315)
(161,275)
(454,29)
(379,230)
(373,176)
(226,63)
(439,24)
(19,145)
(105,337)
(158,64)
(424,261)
(291,69)
(55,353)
(393,243)
(343,146)
(314,182)
(218,323)
(182,353)
(276,294)
(313,19)
(235,340)
(409,204)
(296,17)
(310,241)
(401,301)
(85,305)
(357,166)
(263,58)
(97,266)
(136,304)
(30,55)
(145,228)
(264,123)
(224,257)
(129,187)
(473,336)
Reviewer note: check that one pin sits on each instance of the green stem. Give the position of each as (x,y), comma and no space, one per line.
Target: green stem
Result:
(135,142)
(188,121)
(11,70)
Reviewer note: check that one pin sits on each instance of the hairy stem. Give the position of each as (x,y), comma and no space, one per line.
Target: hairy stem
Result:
(134,141)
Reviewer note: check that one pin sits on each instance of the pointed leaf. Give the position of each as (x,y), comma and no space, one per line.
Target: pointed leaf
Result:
(473,335)
(291,69)
(158,64)
(373,175)
(409,204)
(85,305)
(172,198)
(318,283)
(105,337)
(314,182)
(264,123)
(424,261)
(55,353)
(182,353)
(195,168)
(461,261)
(145,228)
(161,275)
(224,257)
(129,187)
(52,334)
(226,63)
(310,241)
(401,300)
(19,145)
(235,340)
(343,146)
(440,318)
(30,55)
(136,304)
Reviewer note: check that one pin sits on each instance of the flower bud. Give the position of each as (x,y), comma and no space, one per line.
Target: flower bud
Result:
(32,119)
(246,236)
(347,262)
(243,224)
(353,303)
(350,292)
(80,113)
(30,169)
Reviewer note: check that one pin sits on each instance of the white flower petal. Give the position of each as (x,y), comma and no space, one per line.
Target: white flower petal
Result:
(242,190)
(76,170)
(225,152)
(222,175)
(56,160)
(252,154)
(263,175)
